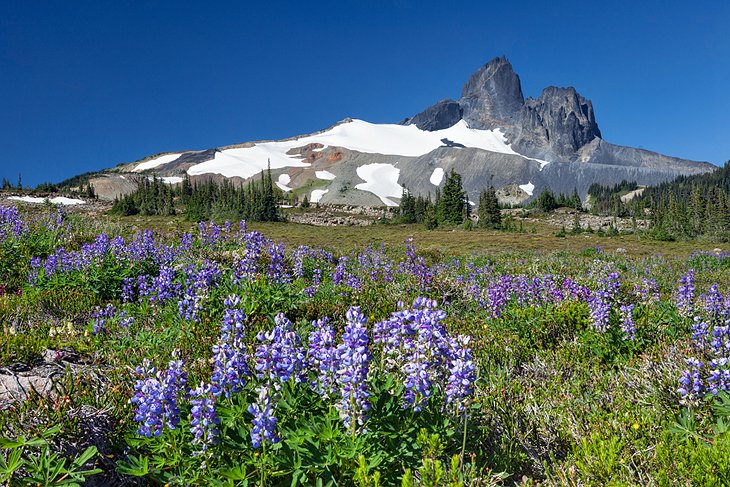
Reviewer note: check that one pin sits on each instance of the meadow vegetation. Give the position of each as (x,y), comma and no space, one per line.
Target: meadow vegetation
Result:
(281,354)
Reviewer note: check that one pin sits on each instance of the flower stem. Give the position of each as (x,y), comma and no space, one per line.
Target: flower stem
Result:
(463,441)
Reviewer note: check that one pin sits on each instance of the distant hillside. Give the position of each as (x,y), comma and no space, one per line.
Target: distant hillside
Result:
(685,207)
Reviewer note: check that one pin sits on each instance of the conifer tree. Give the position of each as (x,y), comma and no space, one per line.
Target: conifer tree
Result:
(488,211)
(451,204)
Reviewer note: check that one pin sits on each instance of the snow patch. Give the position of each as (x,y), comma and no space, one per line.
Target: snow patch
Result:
(326,175)
(172,179)
(284,180)
(317,195)
(381,180)
(58,200)
(283,187)
(437,176)
(157,161)
(527,188)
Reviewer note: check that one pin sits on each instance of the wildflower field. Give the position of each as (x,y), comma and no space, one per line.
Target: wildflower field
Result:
(221,357)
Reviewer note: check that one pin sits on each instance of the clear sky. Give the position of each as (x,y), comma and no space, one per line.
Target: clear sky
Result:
(86,85)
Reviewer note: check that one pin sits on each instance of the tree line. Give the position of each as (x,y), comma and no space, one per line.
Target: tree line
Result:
(686,207)
(451,206)
(204,200)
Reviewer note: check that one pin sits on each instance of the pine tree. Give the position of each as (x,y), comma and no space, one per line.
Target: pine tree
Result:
(268,209)
(451,205)
(575,197)
(430,221)
(407,207)
(488,211)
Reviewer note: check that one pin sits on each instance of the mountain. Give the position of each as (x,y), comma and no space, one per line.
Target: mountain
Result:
(491,135)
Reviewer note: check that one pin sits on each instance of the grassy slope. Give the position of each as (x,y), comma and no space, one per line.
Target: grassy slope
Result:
(446,240)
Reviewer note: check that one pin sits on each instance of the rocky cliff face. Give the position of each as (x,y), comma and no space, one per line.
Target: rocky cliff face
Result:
(440,116)
(492,97)
(552,127)
(555,125)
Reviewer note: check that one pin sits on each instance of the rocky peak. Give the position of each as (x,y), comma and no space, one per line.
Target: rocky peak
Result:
(556,124)
(440,116)
(492,97)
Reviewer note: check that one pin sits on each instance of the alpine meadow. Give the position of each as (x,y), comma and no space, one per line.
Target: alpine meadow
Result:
(246,245)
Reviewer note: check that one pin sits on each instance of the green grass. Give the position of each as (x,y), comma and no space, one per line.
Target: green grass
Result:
(537,237)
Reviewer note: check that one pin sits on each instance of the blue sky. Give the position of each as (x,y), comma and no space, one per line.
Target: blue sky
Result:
(86,85)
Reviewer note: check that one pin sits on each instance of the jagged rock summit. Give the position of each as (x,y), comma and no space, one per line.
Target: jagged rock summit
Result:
(554,126)
(490,135)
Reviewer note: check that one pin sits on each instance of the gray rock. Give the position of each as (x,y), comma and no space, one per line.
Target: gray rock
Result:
(440,116)
(556,125)
(492,97)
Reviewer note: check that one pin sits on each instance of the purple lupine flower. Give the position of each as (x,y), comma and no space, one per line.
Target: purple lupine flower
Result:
(700,333)
(599,305)
(230,371)
(173,383)
(246,267)
(685,295)
(204,419)
(649,291)
(415,343)
(462,372)
(339,276)
(716,306)
(164,286)
(691,381)
(321,356)
(497,295)
(628,325)
(157,396)
(719,376)
(720,344)
(128,290)
(277,269)
(280,356)
(148,398)
(10,222)
(101,317)
(264,421)
(124,320)
(190,307)
(353,364)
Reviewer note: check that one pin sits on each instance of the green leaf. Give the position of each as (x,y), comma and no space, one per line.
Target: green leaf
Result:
(235,473)
(88,454)
(6,443)
(136,467)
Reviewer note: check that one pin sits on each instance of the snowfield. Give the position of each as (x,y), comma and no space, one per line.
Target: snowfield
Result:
(527,188)
(437,176)
(356,135)
(156,162)
(172,179)
(58,200)
(382,181)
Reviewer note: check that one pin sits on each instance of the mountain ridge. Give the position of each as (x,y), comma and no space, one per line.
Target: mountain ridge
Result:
(492,133)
